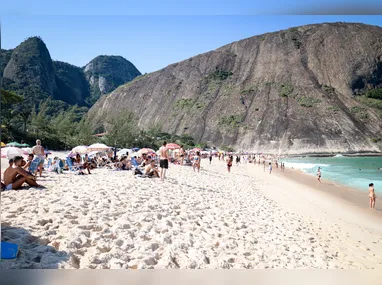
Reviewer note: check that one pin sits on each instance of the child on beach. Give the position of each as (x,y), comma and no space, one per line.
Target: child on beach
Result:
(270,168)
(372,196)
(319,174)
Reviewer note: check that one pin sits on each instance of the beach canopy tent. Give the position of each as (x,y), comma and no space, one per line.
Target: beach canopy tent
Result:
(98,147)
(173,146)
(3,144)
(81,149)
(16,144)
(11,152)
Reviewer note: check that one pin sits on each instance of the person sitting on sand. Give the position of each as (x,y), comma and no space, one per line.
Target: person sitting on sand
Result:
(151,170)
(196,162)
(15,176)
(372,196)
(319,174)
(146,161)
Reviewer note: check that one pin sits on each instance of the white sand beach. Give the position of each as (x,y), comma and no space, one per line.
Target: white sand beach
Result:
(211,219)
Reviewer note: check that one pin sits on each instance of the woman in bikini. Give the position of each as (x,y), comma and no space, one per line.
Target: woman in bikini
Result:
(372,196)
(196,163)
(229,162)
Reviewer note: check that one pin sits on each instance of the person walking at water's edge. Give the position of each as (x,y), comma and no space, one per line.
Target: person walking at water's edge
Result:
(319,174)
(163,160)
(270,168)
(372,196)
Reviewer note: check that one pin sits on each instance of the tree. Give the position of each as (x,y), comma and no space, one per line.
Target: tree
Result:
(121,130)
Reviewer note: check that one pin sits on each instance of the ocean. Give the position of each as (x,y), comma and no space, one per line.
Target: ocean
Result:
(355,172)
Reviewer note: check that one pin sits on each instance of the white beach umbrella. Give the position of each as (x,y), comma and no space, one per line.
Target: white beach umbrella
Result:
(124,151)
(81,149)
(98,147)
(11,152)
(27,150)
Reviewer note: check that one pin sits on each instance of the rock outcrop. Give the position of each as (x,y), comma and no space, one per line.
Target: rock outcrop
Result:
(105,73)
(29,71)
(300,90)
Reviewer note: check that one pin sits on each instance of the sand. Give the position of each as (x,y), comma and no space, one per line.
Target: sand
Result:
(212,219)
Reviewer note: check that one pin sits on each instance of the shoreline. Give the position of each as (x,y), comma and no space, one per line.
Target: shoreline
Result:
(349,195)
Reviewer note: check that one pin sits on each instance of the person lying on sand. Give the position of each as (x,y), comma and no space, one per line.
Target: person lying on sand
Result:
(151,170)
(15,176)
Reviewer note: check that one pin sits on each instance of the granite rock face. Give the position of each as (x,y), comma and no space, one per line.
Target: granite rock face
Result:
(291,91)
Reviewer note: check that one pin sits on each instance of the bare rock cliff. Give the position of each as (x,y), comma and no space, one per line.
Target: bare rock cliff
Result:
(300,90)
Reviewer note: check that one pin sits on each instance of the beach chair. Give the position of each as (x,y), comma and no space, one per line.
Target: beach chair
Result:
(72,168)
(34,165)
(49,163)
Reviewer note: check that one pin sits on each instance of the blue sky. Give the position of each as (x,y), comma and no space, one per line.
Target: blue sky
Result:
(150,42)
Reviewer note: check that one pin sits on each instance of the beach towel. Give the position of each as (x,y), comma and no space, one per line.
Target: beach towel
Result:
(9,250)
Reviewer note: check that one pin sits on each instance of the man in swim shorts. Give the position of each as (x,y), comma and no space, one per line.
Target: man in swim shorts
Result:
(163,160)
(15,176)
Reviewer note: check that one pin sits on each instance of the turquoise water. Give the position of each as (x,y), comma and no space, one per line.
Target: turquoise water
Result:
(355,172)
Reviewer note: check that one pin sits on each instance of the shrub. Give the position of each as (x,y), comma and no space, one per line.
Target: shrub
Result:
(333,108)
(328,89)
(285,90)
(307,101)
(220,75)
(231,121)
(357,109)
(375,94)
(184,103)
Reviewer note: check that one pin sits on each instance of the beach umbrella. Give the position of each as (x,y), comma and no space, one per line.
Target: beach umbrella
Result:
(16,144)
(98,147)
(3,144)
(196,149)
(11,152)
(124,151)
(81,149)
(135,148)
(27,150)
(146,151)
(172,146)
(24,145)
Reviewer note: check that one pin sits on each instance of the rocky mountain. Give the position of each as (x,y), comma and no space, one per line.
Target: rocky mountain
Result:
(29,70)
(105,73)
(309,89)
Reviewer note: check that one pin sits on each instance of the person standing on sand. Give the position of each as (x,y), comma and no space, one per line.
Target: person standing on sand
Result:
(319,174)
(372,196)
(182,154)
(229,162)
(270,168)
(196,161)
(163,160)
(38,151)
(210,157)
